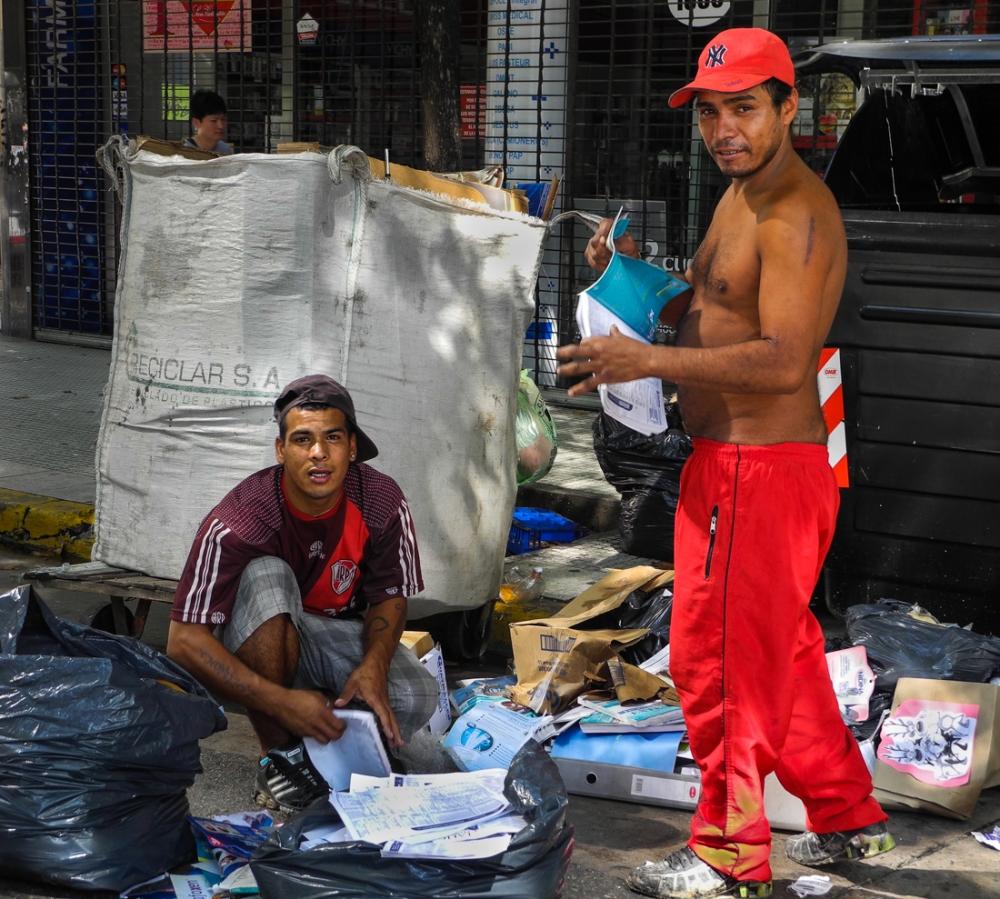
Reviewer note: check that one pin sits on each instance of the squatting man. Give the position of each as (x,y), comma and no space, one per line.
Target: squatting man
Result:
(305,568)
(758,501)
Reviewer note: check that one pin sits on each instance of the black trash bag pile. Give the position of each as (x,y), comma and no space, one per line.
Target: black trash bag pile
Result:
(901,645)
(533,867)
(98,743)
(641,608)
(646,472)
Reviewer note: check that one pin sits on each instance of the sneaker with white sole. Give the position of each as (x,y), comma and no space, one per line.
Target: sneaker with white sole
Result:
(287,780)
(843,845)
(683,875)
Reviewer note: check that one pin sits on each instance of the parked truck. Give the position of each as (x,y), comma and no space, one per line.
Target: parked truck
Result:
(917,176)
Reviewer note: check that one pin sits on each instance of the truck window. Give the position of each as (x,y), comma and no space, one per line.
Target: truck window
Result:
(936,152)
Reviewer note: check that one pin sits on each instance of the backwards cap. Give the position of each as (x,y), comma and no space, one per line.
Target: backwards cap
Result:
(737,60)
(324,391)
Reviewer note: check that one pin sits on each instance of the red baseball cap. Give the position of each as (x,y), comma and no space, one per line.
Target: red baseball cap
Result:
(738,59)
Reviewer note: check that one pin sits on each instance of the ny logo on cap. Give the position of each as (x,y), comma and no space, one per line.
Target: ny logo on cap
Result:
(715,56)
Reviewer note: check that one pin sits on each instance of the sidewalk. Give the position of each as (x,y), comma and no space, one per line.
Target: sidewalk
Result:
(50,400)
(50,406)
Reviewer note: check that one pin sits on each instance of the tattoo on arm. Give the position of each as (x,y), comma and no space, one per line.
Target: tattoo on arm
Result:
(811,238)
(397,631)
(374,625)
(227,677)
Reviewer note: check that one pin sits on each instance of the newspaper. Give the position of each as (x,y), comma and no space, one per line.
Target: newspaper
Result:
(630,294)
(417,814)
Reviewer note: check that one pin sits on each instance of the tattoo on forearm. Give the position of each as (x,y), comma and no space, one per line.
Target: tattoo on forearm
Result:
(227,677)
(374,625)
(811,238)
(397,631)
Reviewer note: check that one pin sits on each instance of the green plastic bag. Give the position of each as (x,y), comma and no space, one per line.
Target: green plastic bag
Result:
(536,433)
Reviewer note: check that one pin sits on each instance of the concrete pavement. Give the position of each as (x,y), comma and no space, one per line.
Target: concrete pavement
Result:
(50,406)
(46,452)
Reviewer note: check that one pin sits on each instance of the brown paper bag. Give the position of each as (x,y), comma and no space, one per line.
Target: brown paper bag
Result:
(940,747)
(555,661)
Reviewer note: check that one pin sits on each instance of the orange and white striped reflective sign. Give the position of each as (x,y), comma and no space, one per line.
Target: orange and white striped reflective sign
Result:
(831,399)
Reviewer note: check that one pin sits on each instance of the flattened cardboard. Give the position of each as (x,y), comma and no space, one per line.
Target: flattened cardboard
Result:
(900,790)
(556,661)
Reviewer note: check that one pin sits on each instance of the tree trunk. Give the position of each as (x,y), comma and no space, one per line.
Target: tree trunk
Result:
(437,25)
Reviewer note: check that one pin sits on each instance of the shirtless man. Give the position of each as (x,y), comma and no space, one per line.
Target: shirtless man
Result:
(758,502)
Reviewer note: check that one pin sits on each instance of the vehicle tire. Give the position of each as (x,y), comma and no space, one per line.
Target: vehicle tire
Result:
(469,632)
(102,618)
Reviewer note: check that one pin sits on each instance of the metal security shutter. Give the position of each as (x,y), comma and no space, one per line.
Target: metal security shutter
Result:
(65,128)
(573,88)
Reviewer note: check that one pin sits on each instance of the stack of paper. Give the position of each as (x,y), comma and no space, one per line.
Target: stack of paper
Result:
(610,716)
(452,816)
(630,294)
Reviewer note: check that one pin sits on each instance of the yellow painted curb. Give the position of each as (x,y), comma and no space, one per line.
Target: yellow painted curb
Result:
(43,523)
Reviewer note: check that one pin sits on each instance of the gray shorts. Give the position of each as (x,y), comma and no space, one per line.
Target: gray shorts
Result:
(329,648)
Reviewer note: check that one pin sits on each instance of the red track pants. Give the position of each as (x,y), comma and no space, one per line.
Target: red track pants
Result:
(753,527)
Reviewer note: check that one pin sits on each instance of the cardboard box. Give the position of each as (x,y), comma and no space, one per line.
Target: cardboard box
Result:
(418,642)
(433,661)
(940,747)
(556,661)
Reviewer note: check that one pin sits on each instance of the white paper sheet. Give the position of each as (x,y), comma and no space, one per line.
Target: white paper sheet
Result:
(358,751)
(331,833)
(417,813)
(479,841)
(637,404)
(453,850)
(491,778)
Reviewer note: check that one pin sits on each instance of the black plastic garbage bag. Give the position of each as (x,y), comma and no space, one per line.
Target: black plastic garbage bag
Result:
(98,743)
(646,472)
(899,645)
(650,610)
(641,609)
(533,867)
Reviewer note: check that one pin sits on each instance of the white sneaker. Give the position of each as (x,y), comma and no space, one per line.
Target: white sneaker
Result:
(683,875)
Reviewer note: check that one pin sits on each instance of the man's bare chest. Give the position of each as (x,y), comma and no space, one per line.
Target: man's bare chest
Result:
(726,269)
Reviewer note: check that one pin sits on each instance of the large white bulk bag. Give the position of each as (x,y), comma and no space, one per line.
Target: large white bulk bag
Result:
(243,273)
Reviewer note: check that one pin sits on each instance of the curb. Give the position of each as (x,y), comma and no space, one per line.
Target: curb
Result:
(595,511)
(32,522)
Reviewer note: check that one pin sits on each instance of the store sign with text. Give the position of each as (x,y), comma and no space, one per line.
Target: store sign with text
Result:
(184,25)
